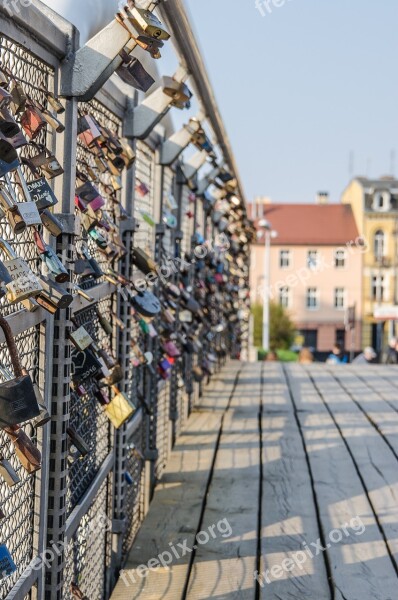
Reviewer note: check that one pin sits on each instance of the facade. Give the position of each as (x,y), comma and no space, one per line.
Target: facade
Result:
(375,208)
(315,270)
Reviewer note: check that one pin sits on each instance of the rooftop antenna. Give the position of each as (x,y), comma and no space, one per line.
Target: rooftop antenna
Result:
(351,164)
(368,166)
(392,163)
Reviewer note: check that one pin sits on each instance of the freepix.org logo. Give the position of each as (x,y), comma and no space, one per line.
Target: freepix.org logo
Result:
(13,7)
(266,7)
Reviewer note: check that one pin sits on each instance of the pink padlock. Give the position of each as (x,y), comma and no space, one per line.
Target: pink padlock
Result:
(97,203)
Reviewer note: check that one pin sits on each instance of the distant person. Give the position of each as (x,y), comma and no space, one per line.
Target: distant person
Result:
(272,357)
(366,357)
(337,356)
(305,356)
(390,356)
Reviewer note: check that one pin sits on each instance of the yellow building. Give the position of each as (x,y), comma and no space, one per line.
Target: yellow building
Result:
(375,206)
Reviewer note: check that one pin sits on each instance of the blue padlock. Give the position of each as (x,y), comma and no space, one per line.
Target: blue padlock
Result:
(128,478)
(7,565)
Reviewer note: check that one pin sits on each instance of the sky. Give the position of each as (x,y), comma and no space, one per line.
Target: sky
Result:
(301,88)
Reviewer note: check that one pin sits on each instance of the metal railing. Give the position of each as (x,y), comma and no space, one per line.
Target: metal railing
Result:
(73,522)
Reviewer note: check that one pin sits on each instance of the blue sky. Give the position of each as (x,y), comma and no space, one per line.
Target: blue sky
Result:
(301,88)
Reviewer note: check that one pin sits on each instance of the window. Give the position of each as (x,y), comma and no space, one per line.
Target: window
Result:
(312,298)
(378,288)
(309,338)
(312,259)
(284,297)
(339,298)
(340,338)
(382,201)
(284,259)
(379,245)
(340,257)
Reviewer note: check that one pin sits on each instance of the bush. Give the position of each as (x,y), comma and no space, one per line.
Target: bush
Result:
(282,329)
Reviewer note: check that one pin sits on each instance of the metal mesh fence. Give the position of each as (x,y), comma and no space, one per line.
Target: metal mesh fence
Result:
(135,490)
(89,566)
(88,551)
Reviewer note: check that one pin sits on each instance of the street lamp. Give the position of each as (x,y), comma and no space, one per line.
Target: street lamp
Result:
(268,235)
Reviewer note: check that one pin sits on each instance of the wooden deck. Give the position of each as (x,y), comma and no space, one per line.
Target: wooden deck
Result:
(287,472)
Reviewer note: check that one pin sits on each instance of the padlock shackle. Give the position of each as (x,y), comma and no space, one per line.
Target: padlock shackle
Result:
(12,347)
(7,249)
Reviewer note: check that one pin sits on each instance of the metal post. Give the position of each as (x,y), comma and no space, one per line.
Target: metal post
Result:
(267,261)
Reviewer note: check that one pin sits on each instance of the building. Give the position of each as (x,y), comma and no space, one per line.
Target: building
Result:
(315,270)
(375,207)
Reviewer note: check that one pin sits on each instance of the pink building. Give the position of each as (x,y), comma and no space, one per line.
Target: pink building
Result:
(316,270)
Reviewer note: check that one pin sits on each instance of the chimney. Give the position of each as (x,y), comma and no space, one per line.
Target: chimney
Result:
(322,198)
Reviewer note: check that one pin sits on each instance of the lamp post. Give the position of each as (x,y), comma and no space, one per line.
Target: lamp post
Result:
(268,235)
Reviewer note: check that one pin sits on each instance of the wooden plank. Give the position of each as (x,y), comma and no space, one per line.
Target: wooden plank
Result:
(360,564)
(224,567)
(175,511)
(288,511)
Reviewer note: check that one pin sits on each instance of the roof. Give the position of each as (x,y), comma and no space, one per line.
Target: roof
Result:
(383,182)
(311,224)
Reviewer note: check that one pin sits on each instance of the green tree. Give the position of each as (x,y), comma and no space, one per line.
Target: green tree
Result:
(282,328)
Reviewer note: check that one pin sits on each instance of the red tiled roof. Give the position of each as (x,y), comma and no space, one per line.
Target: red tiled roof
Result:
(311,224)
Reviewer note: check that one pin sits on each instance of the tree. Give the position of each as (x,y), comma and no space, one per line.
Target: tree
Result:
(282,329)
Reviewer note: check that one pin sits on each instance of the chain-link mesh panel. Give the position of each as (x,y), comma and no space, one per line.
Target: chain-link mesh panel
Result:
(162,427)
(36,77)
(134,497)
(87,555)
(144,195)
(87,416)
(18,502)
(87,165)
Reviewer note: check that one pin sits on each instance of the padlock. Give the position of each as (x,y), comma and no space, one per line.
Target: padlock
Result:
(128,153)
(32,120)
(128,478)
(78,442)
(146,304)
(18,402)
(7,565)
(143,262)
(133,73)
(105,324)
(83,293)
(99,239)
(142,189)
(25,283)
(5,98)
(47,162)
(76,592)
(92,267)
(146,22)
(85,365)
(55,102)
(11,208)
(27,453)
(8,125)
(53,294)
(80,338)
(8,473)
(39,190)
(178,91)
(119,410)
(51,223)
(88,130)
(171,349)
(50,259)
(52,120)
(19,97)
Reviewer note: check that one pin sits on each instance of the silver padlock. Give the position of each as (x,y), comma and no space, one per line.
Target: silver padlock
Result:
(8,473)
(25,284)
